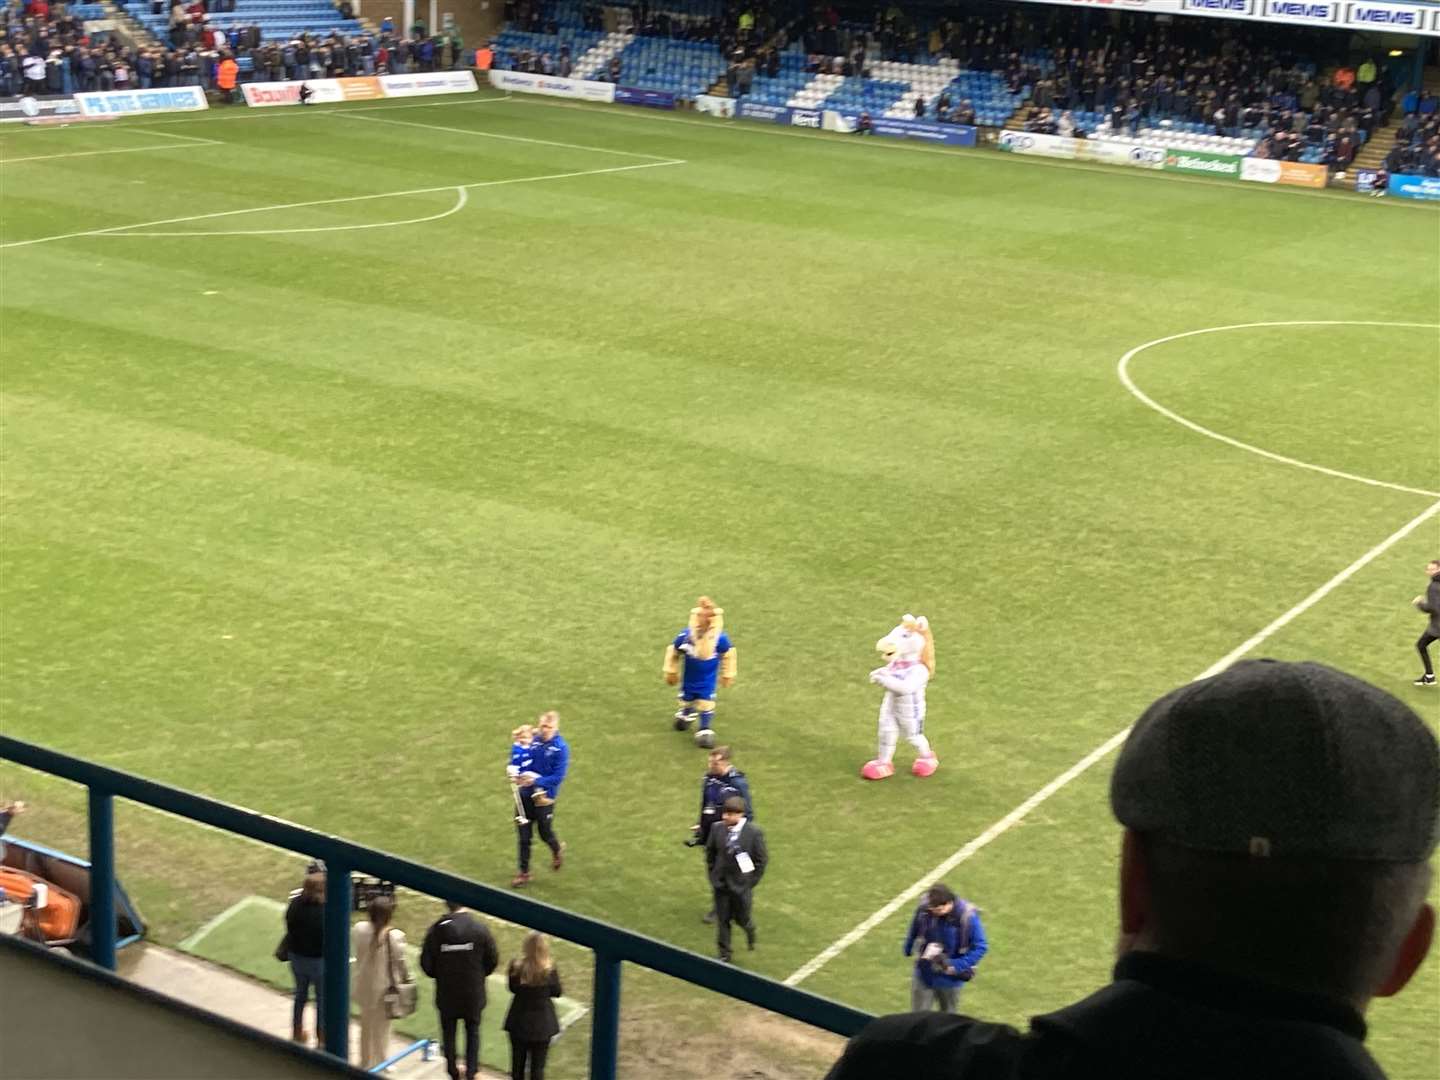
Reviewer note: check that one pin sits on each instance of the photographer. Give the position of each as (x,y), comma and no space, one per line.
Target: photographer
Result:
(948,941)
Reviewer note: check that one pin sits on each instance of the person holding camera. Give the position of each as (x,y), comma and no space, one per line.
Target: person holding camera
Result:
(948,940)
(721,780)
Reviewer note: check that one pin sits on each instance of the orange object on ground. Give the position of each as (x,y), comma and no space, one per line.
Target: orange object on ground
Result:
(59,918)
(484,58)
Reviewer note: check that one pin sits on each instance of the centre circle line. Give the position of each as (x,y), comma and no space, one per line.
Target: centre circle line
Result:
(1123,371)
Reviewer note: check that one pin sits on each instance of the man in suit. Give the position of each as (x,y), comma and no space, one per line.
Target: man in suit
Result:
(735,853)
(459,953)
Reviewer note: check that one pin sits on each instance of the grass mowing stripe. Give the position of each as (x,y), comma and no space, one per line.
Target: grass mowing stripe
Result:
(1010,820)
(510,138)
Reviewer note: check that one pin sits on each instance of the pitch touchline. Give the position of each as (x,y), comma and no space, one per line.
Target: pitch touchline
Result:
(1122,369)
(461,198)
(494,135)
(124,229)
(1010,820)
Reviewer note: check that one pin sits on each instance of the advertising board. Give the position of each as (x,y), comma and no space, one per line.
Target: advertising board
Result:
(649,99)
(552,85)
(1294,173)
(1415,187)
(267,95)
(25,109)
(426,83)
(1381,16)
(1134,154)
(776,114)
(1032,142)
(132,102)
(1222,166)
(1365,179)
(715,106)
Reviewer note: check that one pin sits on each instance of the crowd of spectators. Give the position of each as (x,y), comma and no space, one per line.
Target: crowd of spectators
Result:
(1416,150)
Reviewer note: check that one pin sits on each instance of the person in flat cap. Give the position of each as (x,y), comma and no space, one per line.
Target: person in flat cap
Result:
(1278,824)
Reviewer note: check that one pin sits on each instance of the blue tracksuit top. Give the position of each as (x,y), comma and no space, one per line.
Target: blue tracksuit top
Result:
(698,678)
(551,760)
(964,943)
(523,757)
(714,790)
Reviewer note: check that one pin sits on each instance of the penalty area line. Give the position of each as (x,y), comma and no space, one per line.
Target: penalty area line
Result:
(1017,815)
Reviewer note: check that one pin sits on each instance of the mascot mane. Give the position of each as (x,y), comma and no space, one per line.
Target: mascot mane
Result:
(706,623)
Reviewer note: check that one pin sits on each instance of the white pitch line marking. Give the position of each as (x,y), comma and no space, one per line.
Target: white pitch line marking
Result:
(508,138)
(1014,817)
(462,197)
(114,229)
(1122,369)
(120,150)
(188,945)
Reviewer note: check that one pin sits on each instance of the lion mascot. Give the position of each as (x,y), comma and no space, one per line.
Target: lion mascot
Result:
(700,655)
(909,655)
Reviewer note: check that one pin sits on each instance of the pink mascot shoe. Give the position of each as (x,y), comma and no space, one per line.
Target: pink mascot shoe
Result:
(926,764)
(878,770)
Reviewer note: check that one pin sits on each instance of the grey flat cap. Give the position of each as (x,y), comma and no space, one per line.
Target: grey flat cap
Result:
(1286,760)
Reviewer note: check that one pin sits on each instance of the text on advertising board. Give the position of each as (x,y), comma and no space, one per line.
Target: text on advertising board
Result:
(1223,7)
(805,118)
(1400,18)
(1299,9)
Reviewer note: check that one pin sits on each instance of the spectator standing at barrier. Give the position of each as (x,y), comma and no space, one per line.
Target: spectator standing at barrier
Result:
(720,782)
(305,941)
(538,791)
(459,953)
(947,940)
(1429,603)
(531,1021)
(226,75)
(379,965)
(1279,819)
(736,856)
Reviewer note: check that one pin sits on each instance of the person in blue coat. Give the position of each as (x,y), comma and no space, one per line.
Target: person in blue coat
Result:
(539,789)
(947,940)
(700,657)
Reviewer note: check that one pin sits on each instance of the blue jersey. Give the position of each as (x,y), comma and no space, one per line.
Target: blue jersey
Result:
(552,759)
(699,677)
(522,757)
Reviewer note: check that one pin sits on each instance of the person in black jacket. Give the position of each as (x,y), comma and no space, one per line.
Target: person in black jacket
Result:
(721,780)
(305,938)
(1278,824)
(531,1021)
(1430,604)
(459,952)
(735,853)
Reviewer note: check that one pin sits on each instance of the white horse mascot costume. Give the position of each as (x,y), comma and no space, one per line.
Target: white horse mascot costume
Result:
(909,654)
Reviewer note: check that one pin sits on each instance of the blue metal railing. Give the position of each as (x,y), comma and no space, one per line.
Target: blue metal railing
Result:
(611,945)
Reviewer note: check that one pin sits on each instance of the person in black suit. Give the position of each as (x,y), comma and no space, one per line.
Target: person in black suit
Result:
(735,853)
(531,1021)
(459,952)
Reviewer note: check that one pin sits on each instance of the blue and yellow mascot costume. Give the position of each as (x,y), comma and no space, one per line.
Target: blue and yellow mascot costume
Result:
(700,656)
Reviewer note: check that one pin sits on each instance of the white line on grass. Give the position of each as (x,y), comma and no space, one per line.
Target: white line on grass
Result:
(125,229)
(188,945)
(1122,369)
(462,196)
(1014,817)
(121,150)
(508,138)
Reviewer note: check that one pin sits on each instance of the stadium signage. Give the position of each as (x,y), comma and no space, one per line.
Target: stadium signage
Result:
(1030,142)
(1135,155)
(1415,187)
(810,118)
(650,99)
(1294,173)
(1384,17)
(776,114)
(552,86)
(264,95)
(130,102)
(1365,179)
(715,106)
(1221,7)
(29,108)
(1298,10)
(425,84)
(1195,161)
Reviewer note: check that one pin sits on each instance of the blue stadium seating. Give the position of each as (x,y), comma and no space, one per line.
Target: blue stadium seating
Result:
(279,20)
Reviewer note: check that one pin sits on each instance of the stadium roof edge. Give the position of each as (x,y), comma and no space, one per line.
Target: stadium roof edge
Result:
(1413,17)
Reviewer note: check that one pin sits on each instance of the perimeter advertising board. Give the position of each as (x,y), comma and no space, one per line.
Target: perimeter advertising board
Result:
(427,83)
(265,95)
(1135,155)
(715,106)
(649,99)
(1198,162)
(524,82)
(1415,187)
(134,102)
(1032,142)
(26,109)
(1295,173)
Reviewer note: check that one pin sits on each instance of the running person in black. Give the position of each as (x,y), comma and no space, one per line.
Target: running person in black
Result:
(1430,604)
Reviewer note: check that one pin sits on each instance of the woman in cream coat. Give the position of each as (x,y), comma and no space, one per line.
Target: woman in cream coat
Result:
(377,946)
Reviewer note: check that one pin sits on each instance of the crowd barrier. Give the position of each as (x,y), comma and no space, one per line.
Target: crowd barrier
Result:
(611,945)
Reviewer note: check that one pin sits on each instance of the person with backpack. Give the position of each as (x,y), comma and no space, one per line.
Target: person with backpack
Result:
(948,940)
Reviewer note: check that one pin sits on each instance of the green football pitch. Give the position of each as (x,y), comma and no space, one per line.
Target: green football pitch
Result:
(338,442)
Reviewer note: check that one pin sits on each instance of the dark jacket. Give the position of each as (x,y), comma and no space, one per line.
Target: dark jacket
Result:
(1431,604)
(305,925)
(459,952)
(714,790)
(531,1018)
(725,872)
(1160,1019)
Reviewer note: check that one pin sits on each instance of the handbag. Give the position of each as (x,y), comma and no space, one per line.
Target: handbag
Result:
(401,996)
(282,951)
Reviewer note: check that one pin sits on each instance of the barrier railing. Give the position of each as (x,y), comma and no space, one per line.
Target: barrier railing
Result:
(611,945)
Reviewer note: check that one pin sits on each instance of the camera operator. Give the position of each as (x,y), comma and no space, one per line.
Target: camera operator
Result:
(950,943)
(721,780)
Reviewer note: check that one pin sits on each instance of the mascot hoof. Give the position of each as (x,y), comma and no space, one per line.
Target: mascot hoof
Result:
(683,720)
(925,766)
(877,770)
(705,739)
